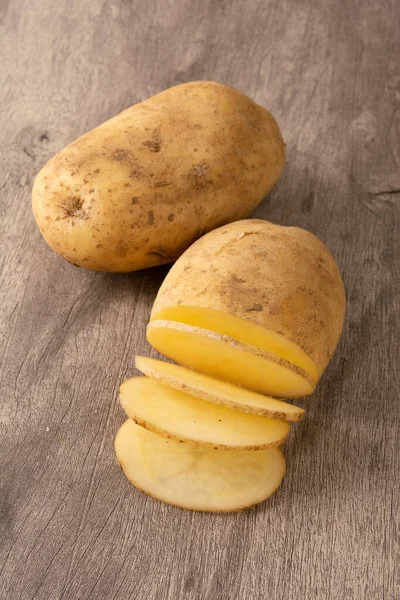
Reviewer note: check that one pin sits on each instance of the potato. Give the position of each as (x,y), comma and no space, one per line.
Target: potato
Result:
(251,304)
(177,415)
(138,190)
(225,358)
(216,391)
(195,478)
(276,288)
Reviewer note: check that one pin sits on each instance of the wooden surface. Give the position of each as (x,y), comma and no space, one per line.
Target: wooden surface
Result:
(71,525)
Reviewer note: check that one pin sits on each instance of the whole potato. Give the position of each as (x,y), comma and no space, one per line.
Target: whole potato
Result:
(138,190)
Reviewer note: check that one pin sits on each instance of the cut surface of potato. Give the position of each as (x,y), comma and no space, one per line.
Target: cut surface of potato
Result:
(239,329)
(228,359)
(217,391)
(178,415)
(196,478)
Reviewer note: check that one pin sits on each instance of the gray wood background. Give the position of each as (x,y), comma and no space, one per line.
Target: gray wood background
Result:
(71,525)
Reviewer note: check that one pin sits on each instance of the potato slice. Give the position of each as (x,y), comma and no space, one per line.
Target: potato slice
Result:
(241,330)
(217,391)
(228,359)
(196,478)
(177,415)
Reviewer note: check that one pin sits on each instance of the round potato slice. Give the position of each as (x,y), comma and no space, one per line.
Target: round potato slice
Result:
(196,478)
(225,358)
(178,415)
(217,391)
(235,327)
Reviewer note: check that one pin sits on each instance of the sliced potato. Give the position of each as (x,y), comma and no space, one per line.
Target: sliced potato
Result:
(282,279)
(228,359)
(174,414)
(217,391)
(196,478)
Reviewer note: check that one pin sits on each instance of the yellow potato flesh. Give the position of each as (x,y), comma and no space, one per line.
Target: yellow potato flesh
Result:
(217,391)
(227,359)
(197,478)
(239,329)
(172,413)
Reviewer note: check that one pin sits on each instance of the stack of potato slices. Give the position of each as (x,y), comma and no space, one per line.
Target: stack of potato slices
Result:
(252,313)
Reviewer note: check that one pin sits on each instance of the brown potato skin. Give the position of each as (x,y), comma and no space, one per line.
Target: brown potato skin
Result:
(281,278)
(136,191)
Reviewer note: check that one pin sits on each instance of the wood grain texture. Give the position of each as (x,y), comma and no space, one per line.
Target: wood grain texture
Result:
(71,525)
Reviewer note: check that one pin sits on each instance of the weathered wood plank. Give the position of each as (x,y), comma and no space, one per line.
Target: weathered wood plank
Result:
(71,526)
